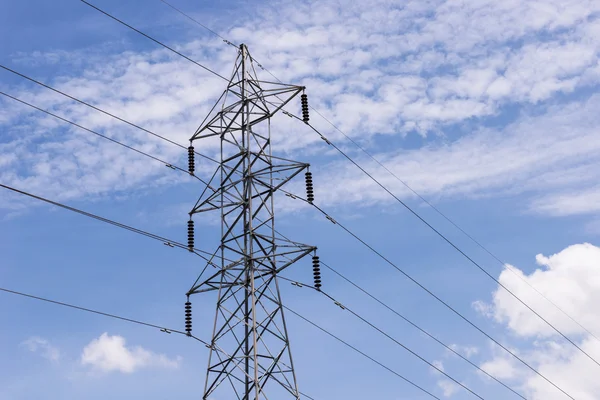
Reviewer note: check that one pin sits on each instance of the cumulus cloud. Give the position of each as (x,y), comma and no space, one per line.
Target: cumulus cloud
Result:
(43,347)
(571,280)
(110,354)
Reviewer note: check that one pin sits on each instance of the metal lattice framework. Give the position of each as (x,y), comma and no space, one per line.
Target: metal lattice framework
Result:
(250,355)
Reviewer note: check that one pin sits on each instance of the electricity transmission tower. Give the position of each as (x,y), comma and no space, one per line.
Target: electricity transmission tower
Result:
(250,357)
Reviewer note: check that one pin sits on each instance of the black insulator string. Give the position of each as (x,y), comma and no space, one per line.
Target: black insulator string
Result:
(361,352)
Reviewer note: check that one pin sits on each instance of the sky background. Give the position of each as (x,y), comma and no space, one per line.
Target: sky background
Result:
(489,110)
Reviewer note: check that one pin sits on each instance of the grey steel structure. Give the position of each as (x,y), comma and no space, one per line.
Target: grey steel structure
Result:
(250,357)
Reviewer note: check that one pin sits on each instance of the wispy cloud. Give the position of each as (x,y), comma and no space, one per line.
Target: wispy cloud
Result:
(374,68)
(43,347)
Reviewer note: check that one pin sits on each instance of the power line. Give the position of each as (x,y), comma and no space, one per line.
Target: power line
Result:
(198,23)
(440,300)
(154,40)
(131,320)
(447,347)
(170,165)
(454,246)
(88,105)
(360,352)
(93,132)
(114,316)
(344,307)
(37,82)
(166,241)
(453,223)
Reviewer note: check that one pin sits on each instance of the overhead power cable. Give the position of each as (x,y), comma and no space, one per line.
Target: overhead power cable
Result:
(447,347)
(166,241)
(131,320)
(423,287)
(94,132)
(454,246)
(422,198)
(167,164)
(198,23)
(37,82)
(115,316)
(354,348)
(364,291)
(408,349)
(154,40)
(455,225)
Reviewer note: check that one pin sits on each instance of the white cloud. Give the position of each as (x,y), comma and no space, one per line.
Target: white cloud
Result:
(571,280)
(372,67)
(448,386)
(569,203)
(40,345)
(541,155)
(467,351)
(109,354)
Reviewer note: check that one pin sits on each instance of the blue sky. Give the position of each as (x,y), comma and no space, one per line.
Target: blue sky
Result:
(487,110)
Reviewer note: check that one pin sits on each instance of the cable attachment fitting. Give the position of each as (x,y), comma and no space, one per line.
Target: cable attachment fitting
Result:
(191,235)
(310,196)
(191,162)
(317,272)
(188,318)
(304,102)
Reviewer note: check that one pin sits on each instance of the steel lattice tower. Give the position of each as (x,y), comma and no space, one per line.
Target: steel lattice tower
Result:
(250,357)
